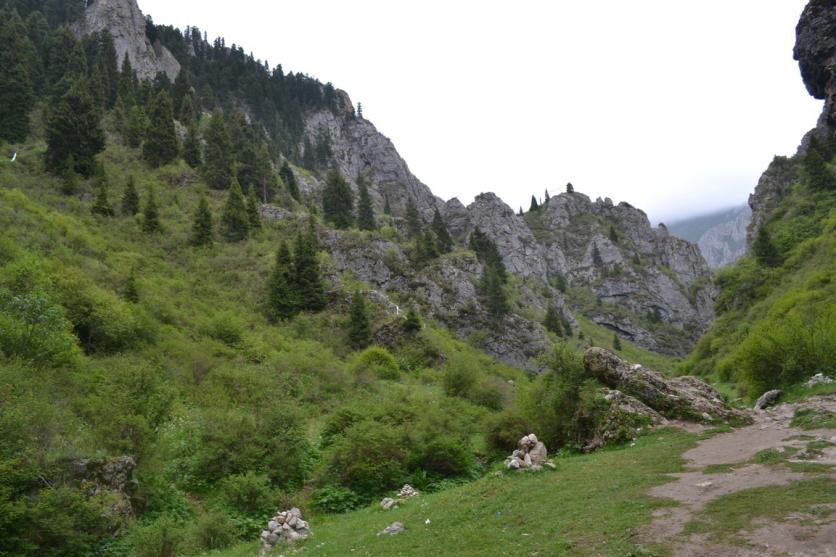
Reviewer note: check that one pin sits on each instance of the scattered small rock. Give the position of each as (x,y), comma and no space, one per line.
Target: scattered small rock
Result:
(286,526)
(388,503)
(408,491)
(704,484)
(818,379)
(767,399)
(393,529)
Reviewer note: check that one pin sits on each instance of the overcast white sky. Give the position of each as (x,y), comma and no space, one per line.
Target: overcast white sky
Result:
(675,107)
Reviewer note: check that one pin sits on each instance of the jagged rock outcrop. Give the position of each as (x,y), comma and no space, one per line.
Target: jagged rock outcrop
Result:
(624,420)
(815,51)
(358,148)
(127,25)
(444,290)
(678,397)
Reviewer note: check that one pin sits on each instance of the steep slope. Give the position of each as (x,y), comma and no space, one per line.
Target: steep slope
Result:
(721,236)
(777,307)
(125,21)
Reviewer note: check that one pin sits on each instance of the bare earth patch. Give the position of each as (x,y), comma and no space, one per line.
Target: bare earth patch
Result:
(771,430)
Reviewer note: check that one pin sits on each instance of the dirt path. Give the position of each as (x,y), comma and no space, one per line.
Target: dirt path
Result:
(694,488)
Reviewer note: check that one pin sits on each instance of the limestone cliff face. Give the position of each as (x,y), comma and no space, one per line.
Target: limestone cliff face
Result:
(358,147)
(127,25)
(815,51)
(721,236)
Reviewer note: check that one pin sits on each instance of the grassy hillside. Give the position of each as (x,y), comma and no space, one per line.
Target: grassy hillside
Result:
(776,321)
(119,342)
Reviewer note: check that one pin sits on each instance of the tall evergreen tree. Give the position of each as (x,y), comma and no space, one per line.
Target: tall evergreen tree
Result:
(151,215)
(596,256)
(160,145)
(290,181)
(202,234)
(187,114)
(426,247)
(534,205)
(101,204)
(130,199)
(191,147)
(181,91)
(338,200)
(414,224)
(218,156)
(445,242)
(412,323)
(487,253)
(570,188)
(127,87)
(613,234)
(387,209)
(69,178)
(107,64)
(17,95)
(74,128)
(59,49)
(253,211)
(307,279)
(282,297)
(135,126)
(493,292)
(359,328)
(235,222)
(616,342)
(365,211)
(546,198)
(552,322)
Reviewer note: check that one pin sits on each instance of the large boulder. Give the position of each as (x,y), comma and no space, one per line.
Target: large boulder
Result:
(679,397)
(623,421)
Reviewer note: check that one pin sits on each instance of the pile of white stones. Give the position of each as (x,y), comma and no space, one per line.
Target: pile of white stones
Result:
(407,491)
(286,526)
(531,455)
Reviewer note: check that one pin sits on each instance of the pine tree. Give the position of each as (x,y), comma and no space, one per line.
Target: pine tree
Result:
(818,175)
(101,205)
(616,342)
(69,178)
(414,224)
(596,256)
(365,212)
(487,253)
(17,95)
(359,329)
(151,215)
(253,211)
(136,126)
(235,222)
(191,147)
(74,128)
(445,242)
(202,234)
(218,156)
(534,206)
(337,201)
(127,82)
(412,323)
(570,188)
(282,298)
(130,199)
(186,114)
(521,211)
(107,64)
(636,259)
(387,209)
(493,292)
(552,321)
(613,234)
(181,91)
(567,327)
(425,248)
(307,280)
(308,155)
(290,181)
(160,145)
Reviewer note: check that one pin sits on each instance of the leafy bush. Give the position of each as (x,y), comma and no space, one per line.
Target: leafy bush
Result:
(443,456)
(460,375)
(35,330)
(163,537)
(335,499)
(226,327)
(248,494)
(213,529)
(377,360)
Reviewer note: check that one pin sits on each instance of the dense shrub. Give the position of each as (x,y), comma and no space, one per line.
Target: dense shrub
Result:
(444,456)
(460,375)
(35,330)
(248,494)
(335,499)
(377,360)
(163,537)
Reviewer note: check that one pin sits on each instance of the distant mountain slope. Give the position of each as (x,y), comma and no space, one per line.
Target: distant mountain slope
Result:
(721,236)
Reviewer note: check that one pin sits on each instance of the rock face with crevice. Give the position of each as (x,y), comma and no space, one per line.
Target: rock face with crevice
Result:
(126,23)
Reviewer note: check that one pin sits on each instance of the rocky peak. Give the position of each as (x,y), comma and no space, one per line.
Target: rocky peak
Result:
(815,51)
(358,148)
(126,23)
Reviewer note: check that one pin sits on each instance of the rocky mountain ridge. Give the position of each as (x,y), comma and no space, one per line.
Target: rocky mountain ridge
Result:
(596,259)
